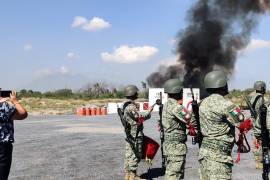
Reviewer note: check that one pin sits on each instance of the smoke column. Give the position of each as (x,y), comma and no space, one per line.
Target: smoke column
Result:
(216,31)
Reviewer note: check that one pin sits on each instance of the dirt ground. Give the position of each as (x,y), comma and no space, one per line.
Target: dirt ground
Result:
(91,148)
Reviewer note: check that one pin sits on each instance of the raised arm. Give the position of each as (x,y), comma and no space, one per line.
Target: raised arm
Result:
(135,114)
(20,112)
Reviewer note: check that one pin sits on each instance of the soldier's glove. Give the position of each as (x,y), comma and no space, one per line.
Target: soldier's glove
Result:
(198,138)
(158,102)
(246,126)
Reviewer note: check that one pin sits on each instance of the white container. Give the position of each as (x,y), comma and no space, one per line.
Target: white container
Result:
(187,96)
(154,94)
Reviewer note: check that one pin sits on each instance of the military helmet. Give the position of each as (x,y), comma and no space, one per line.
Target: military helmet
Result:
(215,79)
(173,86)
(259,86)
(130,90)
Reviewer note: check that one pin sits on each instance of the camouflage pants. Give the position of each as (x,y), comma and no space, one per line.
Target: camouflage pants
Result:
(213,170)
(131,161)
(257,152)
(175,167)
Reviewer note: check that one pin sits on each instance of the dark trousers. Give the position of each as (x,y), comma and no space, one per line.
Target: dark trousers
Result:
(5,160)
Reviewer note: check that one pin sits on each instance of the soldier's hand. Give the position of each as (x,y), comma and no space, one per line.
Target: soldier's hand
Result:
(198,138)
(151,108)
(158,102)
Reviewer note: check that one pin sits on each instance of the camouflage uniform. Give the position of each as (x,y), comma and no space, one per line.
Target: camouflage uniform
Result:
(218,118)
(268,127)
(175,149)
(131,115)
(257,134)
(257,149)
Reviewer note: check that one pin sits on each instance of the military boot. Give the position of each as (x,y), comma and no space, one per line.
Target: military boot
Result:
(133,176)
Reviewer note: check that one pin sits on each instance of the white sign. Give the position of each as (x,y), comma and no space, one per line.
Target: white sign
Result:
(187,96)
(154,94)
(112,107)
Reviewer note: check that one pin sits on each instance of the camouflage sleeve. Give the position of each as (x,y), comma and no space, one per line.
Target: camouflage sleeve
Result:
(134,113)
(257,124)
(258,104)
(268,119)
(146,115)
(234,115)
(257,129)
(181,113)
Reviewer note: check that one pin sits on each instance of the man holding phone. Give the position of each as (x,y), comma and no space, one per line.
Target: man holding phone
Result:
(10,109)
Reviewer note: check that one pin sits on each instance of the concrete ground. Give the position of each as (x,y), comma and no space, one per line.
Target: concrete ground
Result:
(86,148)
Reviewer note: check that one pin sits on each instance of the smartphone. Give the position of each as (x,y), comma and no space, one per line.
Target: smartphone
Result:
(5,93)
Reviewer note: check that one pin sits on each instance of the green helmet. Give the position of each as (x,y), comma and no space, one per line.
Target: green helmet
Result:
(215,79)
(130,90)
(259,86)
(173,86)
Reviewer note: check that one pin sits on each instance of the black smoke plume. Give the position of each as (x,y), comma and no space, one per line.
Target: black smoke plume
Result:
(216,31)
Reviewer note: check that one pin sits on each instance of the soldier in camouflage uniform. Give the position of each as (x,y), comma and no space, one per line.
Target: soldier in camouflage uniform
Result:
(134,145)
(218,118)
(174,120)
(256,102)
(258,126)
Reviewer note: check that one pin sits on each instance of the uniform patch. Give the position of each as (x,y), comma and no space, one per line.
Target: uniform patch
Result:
(183,112)
(235,112)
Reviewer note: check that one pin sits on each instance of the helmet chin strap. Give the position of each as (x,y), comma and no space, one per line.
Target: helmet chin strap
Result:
(263,90)
(226,90)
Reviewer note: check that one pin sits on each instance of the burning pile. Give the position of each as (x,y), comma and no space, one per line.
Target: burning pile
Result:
(217,30)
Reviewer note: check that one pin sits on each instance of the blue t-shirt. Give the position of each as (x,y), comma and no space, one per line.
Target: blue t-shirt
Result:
(6,123)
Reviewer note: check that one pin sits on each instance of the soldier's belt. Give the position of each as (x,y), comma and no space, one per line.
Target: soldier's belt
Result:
(175,138)
(220,146)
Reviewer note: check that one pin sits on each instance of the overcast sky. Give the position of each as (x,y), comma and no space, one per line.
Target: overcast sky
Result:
(46,45)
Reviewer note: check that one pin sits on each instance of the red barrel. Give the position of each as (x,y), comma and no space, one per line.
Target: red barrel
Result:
(98,111)
(83,111)
(103,111)
(88,111)
(93,111)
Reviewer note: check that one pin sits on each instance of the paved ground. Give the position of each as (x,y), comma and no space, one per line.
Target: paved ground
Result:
(86,148)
